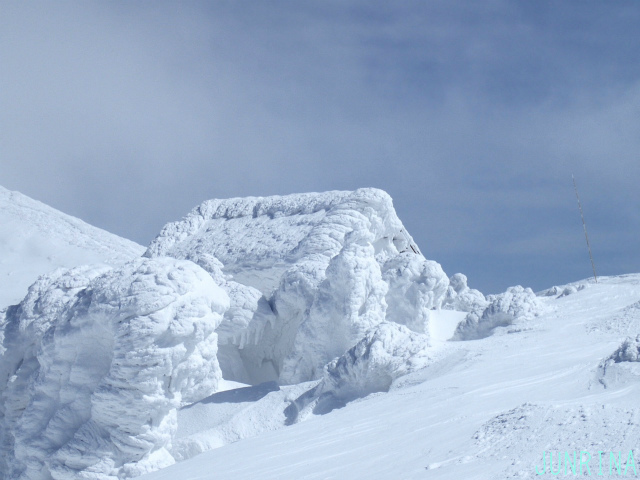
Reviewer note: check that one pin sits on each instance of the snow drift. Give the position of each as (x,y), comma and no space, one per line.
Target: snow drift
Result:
(308,276)
(95,363)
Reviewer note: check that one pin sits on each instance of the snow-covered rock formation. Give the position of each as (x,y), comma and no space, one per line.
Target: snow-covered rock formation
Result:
(95,362)
(308,275)
(623,365)
(503,309)
(35,239)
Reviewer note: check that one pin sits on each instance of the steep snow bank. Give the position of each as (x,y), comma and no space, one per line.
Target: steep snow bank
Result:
(36,239)
(328,267)
(96,362)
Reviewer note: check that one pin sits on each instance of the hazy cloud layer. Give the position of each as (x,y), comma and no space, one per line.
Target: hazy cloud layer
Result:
(472,115)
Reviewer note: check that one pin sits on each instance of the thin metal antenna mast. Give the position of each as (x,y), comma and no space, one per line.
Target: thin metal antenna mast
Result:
(586,236)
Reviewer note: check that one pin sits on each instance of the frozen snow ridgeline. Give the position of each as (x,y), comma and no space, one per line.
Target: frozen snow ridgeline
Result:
(35,239)
(308,276)
(95,363)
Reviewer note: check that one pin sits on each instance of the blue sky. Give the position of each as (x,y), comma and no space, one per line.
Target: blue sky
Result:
(472,115)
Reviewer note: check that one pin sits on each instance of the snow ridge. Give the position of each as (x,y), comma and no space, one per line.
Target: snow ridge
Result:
(36,239)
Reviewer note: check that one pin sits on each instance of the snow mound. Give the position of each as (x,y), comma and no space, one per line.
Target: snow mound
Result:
(629,351)
(622,367)
(386,353)
(416,286)
(503,309)
(560,292)
(551,292)
(308,275)
(462,298)
(36,239)
(96,363)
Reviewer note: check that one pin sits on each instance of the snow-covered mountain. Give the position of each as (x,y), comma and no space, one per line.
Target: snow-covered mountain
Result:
(35,239)
(309,337)
(99,362)
(563,384)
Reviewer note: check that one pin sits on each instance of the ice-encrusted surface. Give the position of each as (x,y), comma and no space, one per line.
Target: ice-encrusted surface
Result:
(329,267)
(503,309)
(487,409)
(35,239)
(462,298)
(384,354)
(96,361)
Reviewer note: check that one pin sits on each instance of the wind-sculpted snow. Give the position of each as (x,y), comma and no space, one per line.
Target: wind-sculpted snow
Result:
(328,266)
(416,286)
(462,298)
(96,363)
(349,302)
(384,354)
(241,355)
(503,309)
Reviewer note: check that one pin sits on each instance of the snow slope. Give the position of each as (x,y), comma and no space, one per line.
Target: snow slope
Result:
(35,239)
(566,380)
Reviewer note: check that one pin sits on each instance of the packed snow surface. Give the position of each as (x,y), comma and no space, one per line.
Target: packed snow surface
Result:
(35,239)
